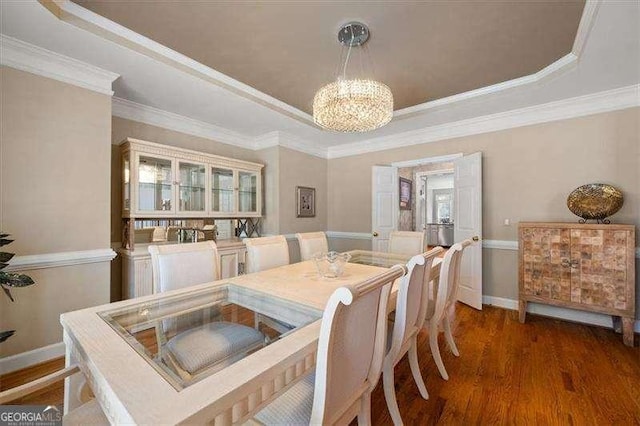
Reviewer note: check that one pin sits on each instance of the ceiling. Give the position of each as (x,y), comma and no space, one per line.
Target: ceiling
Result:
(159,87)
(422,51)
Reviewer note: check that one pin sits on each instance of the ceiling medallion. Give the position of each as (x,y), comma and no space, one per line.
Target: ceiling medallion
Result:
(356,104)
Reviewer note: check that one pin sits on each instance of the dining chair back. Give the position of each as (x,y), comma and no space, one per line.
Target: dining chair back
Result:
(410,312)
(181,265)
(350,352)
(406,242)
(446,297)
(266,253)
(312,243)
(199,340)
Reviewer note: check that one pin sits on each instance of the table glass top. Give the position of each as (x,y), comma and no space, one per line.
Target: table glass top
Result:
(191,336)
(374,258)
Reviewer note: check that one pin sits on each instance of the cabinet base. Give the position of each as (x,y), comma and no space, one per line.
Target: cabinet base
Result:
(622,325)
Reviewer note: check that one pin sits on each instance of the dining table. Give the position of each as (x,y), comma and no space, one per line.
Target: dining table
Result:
(116,346)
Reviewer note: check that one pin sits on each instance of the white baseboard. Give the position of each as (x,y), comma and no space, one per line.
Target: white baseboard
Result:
(29,358)
(555,312)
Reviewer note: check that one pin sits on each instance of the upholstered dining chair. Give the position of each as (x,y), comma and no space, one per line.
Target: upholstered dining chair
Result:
(412,302)
(211,344)
(438,312)
(262,254)
(312,243)
(266,253)
(406,242)
(351,348)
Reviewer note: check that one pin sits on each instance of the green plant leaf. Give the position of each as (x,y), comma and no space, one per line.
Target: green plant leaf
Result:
(15,280)
(4,335)
(8,293)
(5,257)
(4,242)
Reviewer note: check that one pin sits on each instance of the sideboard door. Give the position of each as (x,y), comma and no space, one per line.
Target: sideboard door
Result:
(599,267)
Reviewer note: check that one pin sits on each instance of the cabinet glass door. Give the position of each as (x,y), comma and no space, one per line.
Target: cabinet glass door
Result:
(192,188)
(222,191)
(247,192)
(154,184)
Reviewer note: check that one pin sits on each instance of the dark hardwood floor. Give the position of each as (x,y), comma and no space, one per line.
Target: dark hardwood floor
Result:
(543,372)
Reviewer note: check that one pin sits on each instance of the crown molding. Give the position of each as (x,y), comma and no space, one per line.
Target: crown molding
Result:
(76,15)
(27,57)
(130,110)
(601,102)
(586,23)
(267,140)
(287,140)
(293,142)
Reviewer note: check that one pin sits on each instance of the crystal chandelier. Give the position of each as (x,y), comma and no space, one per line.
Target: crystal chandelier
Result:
(352,105)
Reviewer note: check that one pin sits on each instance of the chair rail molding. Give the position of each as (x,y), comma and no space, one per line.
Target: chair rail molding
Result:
(54,260)
(349,235)
(27,57)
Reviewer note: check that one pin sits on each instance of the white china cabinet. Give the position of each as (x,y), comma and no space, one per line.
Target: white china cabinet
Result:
(166,182)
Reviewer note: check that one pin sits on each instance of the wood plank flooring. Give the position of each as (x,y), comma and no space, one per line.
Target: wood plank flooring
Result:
(543,372)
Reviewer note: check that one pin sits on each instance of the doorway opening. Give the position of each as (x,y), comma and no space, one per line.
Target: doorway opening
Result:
(432,200)
(418,196)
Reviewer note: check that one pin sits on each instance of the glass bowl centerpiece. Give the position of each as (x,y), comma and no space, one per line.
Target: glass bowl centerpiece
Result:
(331,264)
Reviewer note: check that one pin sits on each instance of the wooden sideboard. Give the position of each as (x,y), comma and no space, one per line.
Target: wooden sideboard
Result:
(589,267)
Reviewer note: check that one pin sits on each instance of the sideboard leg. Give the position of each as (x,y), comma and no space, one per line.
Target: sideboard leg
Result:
(617,324)
(627,331)
(522,310)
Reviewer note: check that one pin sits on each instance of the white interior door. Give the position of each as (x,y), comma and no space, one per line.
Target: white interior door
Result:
(468,225)
(384,205)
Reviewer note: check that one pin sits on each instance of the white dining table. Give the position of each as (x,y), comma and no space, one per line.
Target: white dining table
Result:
(130,389)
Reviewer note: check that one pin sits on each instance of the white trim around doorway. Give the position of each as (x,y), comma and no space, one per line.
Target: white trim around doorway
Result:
(427,160)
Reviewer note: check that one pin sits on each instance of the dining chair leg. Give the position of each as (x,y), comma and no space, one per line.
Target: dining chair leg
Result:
(449,336)
(390,394)
(435,350)
(364,417)
(415,368)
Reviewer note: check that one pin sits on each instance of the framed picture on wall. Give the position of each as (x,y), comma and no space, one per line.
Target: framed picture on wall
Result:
(305,201)
(405,194)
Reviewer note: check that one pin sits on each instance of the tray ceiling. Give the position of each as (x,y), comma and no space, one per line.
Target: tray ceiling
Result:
(422,51)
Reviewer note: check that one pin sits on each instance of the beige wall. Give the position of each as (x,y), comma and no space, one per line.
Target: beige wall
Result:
(270,157)
(299,169)
(54,197)
(527,174)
